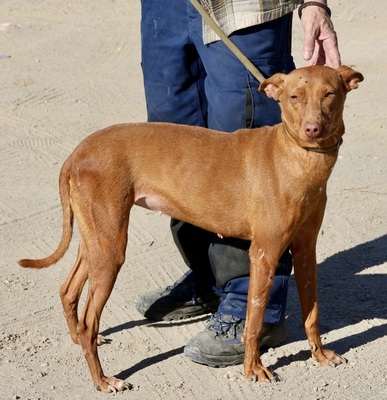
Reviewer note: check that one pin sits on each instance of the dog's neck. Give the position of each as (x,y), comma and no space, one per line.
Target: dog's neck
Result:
(324,150)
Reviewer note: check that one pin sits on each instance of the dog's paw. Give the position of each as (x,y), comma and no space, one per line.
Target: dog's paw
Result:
(112,385)
(259,373)
(329,358)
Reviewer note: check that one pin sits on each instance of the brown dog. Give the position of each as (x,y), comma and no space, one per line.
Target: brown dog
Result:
(267,185)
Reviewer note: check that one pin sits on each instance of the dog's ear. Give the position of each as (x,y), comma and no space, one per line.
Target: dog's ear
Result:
(273,86)
(350,77)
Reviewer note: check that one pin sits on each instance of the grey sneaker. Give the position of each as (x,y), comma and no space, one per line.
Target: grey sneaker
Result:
(184,299)
(220,344)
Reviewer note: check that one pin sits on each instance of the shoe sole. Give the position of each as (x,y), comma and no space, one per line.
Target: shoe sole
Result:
(179,314)
(213,361)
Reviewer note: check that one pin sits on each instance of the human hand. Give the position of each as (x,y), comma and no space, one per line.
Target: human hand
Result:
(320,41)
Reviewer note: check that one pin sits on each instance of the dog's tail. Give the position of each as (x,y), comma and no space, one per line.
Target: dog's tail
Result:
(67,230)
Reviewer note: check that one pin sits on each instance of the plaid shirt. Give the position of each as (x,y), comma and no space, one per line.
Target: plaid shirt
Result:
(232,15)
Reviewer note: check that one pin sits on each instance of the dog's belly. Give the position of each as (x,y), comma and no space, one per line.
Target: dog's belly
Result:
(155,203)
(230,227)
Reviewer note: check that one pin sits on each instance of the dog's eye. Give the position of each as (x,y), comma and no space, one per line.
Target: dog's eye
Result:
(294,97)
(329,94)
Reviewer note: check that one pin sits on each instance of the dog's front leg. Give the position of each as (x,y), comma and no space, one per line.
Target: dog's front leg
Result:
(262,271)
(305,269)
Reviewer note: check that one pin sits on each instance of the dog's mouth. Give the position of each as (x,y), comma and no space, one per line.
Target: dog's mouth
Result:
(325,143)
(317,137)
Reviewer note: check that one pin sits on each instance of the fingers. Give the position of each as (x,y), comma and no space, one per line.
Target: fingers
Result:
(331,51)
(320,41)
(309,43)
(325,53)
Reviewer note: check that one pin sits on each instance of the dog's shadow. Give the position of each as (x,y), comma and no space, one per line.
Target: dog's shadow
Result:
(346,297)
(149,361)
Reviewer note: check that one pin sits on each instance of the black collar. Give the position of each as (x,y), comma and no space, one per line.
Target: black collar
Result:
(327,149)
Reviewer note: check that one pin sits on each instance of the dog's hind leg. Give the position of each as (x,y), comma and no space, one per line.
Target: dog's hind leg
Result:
(101,203)
(71,290)
(104,230)
(105,262)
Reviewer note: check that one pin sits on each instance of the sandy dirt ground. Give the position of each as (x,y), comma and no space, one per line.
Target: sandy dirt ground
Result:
(70,68)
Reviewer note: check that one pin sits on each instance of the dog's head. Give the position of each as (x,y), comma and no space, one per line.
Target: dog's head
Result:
(312,100)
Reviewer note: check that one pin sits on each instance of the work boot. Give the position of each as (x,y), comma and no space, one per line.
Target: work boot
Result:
(184,299)
(220,344)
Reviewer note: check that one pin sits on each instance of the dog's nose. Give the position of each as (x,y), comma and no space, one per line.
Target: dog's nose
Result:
(313,129)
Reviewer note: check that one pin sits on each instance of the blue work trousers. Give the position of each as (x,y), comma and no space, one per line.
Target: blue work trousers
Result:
(191,83)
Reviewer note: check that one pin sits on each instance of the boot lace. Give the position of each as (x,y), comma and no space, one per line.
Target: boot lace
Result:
(224,325)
